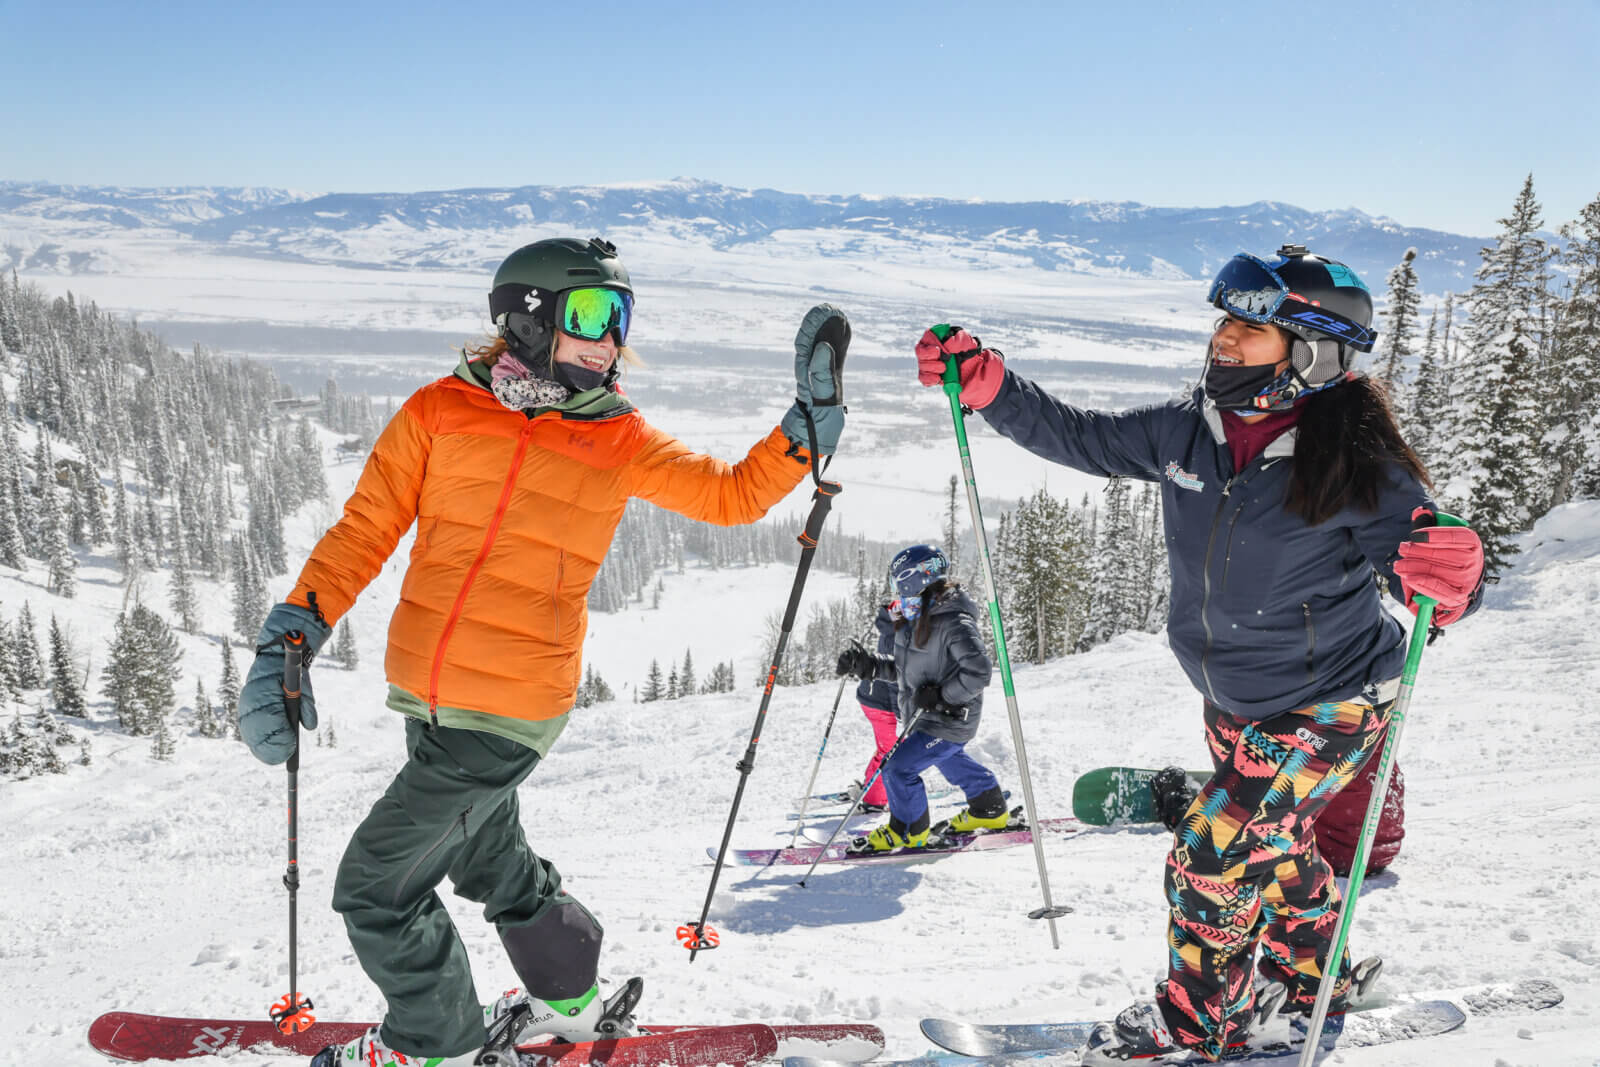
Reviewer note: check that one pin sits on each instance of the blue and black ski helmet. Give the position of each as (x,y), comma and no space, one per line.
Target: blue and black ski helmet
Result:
(916,568)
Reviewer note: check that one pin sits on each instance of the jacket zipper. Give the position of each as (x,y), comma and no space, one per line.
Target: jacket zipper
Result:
(472,572)
(1205,600)
(1205,596)
(461,821)
(1311,644)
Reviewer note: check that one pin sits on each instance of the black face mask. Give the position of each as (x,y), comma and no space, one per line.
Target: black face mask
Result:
(1234,388)
(578,379)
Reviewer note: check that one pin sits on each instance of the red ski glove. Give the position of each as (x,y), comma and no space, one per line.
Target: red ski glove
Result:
(1441,562)
(981,369)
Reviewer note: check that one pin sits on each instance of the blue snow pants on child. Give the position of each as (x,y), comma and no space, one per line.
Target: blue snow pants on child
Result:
(908,801)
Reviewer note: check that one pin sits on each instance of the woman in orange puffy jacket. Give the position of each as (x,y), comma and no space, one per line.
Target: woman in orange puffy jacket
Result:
(516,470)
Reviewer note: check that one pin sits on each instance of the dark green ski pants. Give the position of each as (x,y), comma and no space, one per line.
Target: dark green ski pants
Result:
(452,812)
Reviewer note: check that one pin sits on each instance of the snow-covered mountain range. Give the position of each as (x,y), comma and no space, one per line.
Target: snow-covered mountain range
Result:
(42,226)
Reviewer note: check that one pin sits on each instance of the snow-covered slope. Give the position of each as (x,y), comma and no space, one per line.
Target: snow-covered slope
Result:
(156,886)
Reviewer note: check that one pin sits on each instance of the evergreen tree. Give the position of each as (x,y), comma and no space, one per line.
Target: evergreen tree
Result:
(25,642)
(183,602)
(120,677)
(61,575)
(11,550)
(672,683)
(686,680)
(10,681)
(141,670)
(344,646)
(1046,571)
(952,529)
(654,688)
(162,744)
(205,716)
(1113,597)
(1572,439)
(66,691)
(94,509)
(1427,397)
(228,691)
(249,591)
(1499,445)
(1399,327)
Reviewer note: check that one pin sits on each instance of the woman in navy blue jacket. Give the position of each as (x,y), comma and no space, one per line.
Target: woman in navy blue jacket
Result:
(1285,485)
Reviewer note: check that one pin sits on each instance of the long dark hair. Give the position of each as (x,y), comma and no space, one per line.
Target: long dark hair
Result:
(1346,440)
(931,593)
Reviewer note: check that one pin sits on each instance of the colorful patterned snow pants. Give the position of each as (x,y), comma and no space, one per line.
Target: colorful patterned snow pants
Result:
(1244,865)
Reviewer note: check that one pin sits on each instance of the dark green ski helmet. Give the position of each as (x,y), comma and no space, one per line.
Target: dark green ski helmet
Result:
(529,280)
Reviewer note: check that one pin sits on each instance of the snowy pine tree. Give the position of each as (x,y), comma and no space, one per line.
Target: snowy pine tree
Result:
(1399,327)
(1572,438)
(65,690)
(206,723)
(228,691)
(654,687)
(1498,450)
(61,566)
(29,661)
(344,646)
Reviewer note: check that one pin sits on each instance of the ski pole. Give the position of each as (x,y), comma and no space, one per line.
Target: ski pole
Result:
(1369,824)
(916,720)
(292,1012)
(805,800)
(952,389)
(821,502)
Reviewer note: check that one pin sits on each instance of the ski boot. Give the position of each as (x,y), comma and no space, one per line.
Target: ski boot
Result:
(886,839)
(1302,1000)
(586,1017)
(1139,1033)
(986,811)
(369,1050)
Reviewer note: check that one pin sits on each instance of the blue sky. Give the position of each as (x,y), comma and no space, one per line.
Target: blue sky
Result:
(1430,112)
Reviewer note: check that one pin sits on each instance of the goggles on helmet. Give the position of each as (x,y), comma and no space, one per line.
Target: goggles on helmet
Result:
(912,580)
(592,313)
(1249,289)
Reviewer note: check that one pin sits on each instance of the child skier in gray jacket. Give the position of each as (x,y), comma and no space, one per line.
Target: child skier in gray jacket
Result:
(940,668)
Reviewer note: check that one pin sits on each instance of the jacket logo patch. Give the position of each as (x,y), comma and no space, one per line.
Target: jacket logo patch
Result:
(1183,478)
(578,440)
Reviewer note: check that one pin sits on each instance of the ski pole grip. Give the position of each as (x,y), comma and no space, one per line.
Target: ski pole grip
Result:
(294,649)
(952,376)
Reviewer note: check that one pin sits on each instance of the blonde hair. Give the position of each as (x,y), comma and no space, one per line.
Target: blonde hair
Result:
(489,350)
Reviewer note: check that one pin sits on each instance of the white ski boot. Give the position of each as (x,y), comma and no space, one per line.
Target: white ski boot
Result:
(583,1018)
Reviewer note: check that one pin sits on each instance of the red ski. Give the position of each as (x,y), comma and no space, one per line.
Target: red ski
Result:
(131,1036)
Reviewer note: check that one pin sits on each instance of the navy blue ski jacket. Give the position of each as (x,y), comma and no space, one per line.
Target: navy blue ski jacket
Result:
(873,693)
(1268,613)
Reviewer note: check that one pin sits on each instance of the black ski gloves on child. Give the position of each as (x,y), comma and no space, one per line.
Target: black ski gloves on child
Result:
(857,661)
(930,699)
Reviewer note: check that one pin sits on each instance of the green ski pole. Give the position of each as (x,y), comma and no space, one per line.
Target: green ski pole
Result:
(1369,824)
(952,389)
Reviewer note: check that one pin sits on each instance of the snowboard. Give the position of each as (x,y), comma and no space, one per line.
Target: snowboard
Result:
(1120,795)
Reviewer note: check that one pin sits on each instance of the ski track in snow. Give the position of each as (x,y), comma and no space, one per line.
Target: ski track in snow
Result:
(156,887)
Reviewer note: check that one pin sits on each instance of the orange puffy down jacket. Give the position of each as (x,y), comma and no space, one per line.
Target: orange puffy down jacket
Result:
(514,516)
